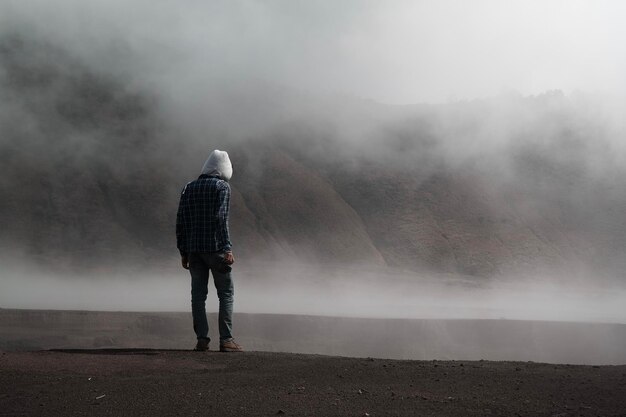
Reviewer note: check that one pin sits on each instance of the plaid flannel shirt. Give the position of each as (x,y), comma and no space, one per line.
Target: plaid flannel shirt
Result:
(202,219)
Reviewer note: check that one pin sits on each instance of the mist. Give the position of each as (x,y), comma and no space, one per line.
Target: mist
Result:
(400,52)
(346,293)
(495,134)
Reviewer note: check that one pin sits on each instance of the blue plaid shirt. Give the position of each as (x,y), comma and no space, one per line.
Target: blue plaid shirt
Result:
(202,219)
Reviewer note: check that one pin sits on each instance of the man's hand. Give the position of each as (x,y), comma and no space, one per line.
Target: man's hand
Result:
(229,258)
(184,261)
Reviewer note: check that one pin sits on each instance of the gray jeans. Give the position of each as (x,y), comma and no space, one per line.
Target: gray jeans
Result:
(199,266)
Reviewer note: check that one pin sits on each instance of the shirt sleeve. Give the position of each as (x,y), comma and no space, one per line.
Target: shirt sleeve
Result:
(223,234)
(180,227)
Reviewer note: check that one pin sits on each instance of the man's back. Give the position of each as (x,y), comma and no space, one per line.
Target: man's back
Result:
(202,220)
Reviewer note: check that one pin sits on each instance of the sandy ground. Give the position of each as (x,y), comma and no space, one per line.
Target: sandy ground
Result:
(170,382)
(103,367)
(496,340)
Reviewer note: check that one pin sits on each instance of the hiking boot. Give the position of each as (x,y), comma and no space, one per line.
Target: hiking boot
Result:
(230,346)
(202,345)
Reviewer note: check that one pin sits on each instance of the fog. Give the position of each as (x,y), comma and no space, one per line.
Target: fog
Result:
(528,97)
(340,292)
(396,52)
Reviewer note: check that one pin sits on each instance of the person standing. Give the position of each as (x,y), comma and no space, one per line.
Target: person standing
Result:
(203,239)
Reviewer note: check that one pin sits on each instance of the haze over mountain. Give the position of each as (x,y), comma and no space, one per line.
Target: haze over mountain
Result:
(490,187)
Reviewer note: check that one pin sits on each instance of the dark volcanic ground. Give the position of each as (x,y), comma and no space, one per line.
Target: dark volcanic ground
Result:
(117,363)
(511,340)
(417,339)
(162,382)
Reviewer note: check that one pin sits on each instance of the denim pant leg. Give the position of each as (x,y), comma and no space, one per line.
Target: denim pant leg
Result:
(199,281)
(225,292)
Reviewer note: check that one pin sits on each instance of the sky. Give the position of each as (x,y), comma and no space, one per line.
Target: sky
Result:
(395,52)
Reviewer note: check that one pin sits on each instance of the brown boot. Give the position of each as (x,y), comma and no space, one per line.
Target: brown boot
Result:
(230,346)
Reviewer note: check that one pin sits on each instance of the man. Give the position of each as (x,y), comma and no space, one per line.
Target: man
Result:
(203,240)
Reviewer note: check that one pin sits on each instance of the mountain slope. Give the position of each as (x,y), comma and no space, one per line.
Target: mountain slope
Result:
(94,173)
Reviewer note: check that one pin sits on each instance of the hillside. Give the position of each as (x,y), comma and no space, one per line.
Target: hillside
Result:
(94,169)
